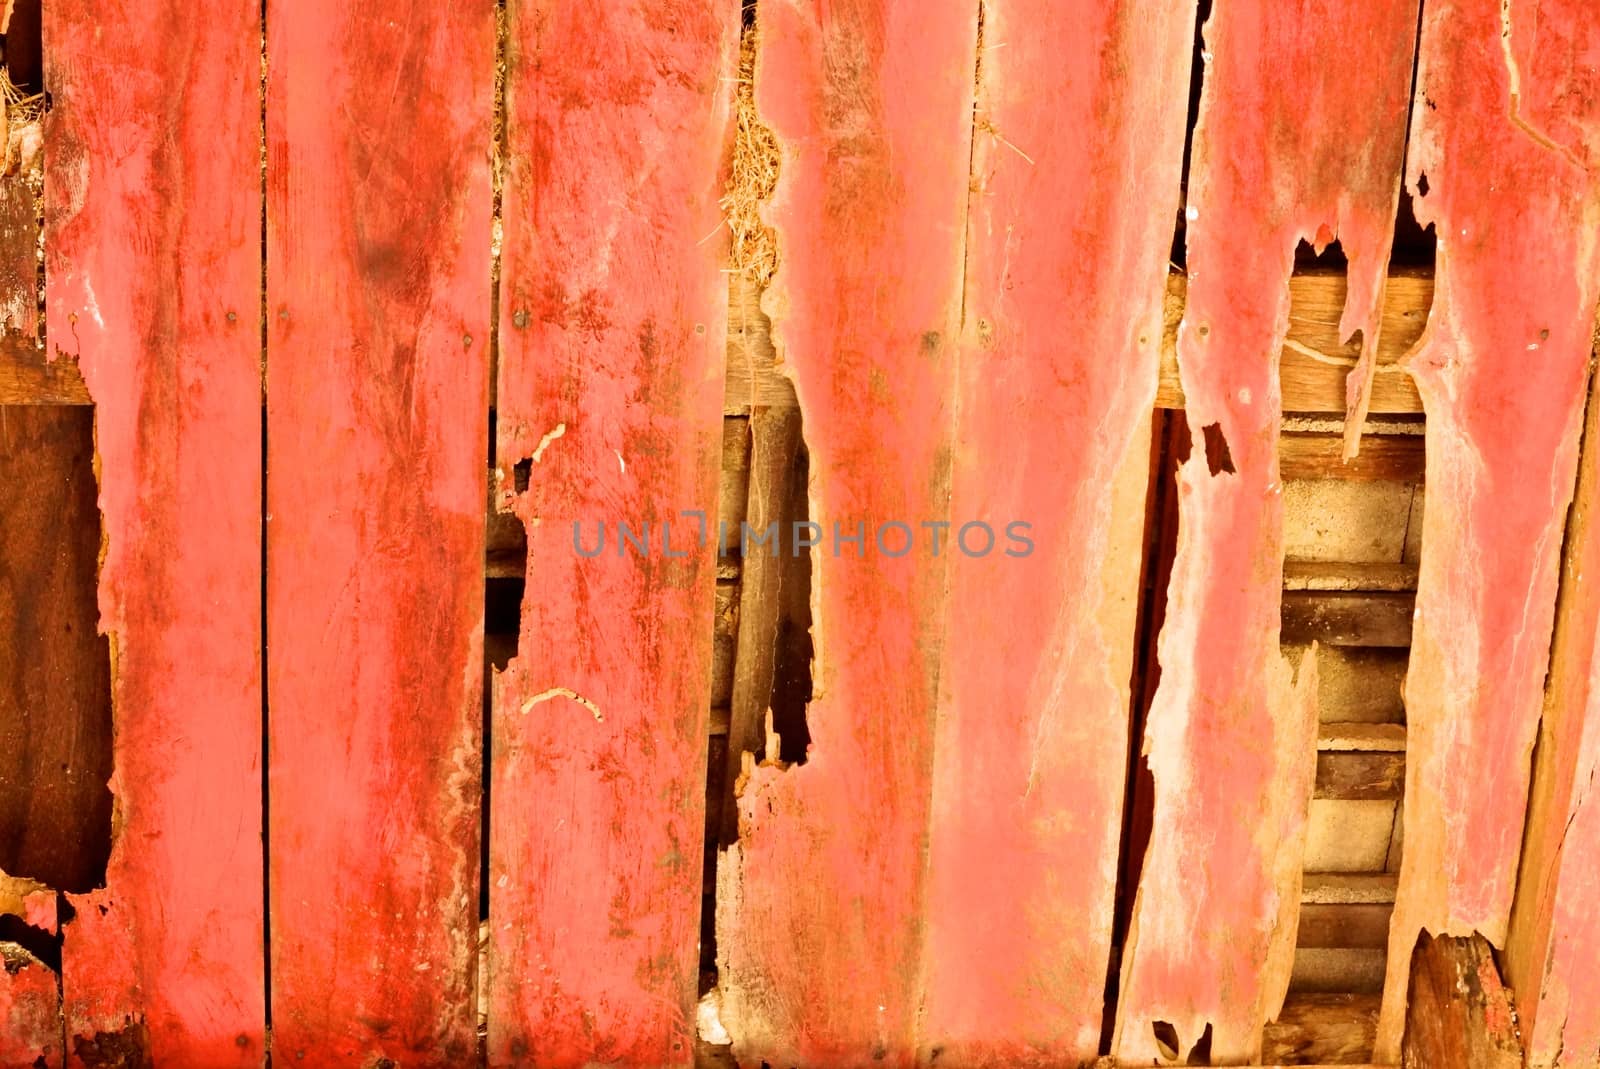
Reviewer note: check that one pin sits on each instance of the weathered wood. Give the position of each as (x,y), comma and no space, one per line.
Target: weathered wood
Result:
(19,258)
(1460,1014)
(1315,360)
(1360,775)
(613,310)
(153,224)
(820,903)
(1335,1029)
(1340,888)
(30,1012)
(1356,925)
(1554,938)
(55,669)
(775,443)
(1349,575)
(1374,738)
(1399,457)
(1348,619)
(28,378)
(1507,136)
(378,223)
(1210,946)
(1076,170)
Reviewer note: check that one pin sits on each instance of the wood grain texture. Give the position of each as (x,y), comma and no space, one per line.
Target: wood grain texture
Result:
(1460,1014)
(1213,929)
(30,1012)
(378,268)
(55,669)
(1076,170)
(1554,939)
(819,904)
(19,257)
(1514,193)
(153,223)
(613,320)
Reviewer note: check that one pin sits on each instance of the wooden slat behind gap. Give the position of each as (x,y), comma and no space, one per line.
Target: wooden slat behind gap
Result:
(1513,194)
(612,333)
(1212,936)
(378,268)
(153,222)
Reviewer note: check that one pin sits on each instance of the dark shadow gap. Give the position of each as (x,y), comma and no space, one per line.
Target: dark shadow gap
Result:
(1179,256)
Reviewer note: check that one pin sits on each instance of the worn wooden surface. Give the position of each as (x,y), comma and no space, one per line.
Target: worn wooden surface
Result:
(19,259)
(1554,939)
(55,669)
(1514,196)
(1211,941)
(1460,1014)
(30,1012)
(153,223)
(613,320)
(775,443)
(820,903)
(1066,234)
(378,261)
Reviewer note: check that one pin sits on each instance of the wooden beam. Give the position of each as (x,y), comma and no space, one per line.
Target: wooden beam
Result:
(1395,457)
(1352,576)
(1336,1029)
(1347,619)
(1360,776)
(1460,1014)
(1362,925)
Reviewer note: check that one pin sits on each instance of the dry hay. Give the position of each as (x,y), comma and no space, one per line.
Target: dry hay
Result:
(753,176)
(24,134)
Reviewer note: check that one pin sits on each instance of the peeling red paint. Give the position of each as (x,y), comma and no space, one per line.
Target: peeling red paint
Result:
(819,924)
(153,221)
(378,217)
(1295,147)
(1507,130)
(1081,110)
(30,1012)
(612,334)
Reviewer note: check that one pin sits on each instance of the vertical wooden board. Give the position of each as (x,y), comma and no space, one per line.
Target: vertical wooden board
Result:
(819,925)
(1513,190)
(1079,148)
(19,256)
(1300,147)
(30,1012)
(378,294)
(55,670)
(612,333)
(153,223)
(1554,940)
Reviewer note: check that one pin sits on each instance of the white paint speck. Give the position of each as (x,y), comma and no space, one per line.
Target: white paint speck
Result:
(1191,213)
(622,465)
(544,443)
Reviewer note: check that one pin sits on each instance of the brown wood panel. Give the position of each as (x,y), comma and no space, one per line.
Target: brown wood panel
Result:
(55,667)
(1460,1014)
(1348,619)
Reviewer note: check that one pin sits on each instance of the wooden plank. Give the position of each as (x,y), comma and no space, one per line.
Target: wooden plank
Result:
(378,222)
(1339,888)
(1460,1014)
(1076,170)
(1355,925)
(1371,738)
(1348,619)
(30,1012)
(55,669)
(775,443)
(19,257)
(1360,776)
(1315,359)
(1399,457)
(153,222)
(611,363)
(820,902)
(1210,947)
(1502,374)
(1349,575)
(1554,939)
(1333,1029)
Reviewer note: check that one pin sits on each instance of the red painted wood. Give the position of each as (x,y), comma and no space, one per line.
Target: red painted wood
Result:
(1308,145)
(378,216)
(153,217)
(613,323)
(1081,113)
(819,926)
(1554,938)
(30,1012)
(1507,133)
